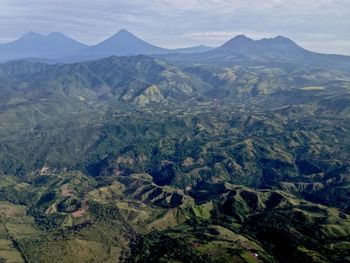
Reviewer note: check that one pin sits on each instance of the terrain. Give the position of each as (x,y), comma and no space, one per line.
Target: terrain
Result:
(142,159)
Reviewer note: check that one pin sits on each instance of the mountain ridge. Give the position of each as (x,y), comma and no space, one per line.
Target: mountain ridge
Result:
(240,49)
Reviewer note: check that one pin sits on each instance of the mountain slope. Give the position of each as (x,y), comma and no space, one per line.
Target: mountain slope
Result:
(139,79)
(121,44)
(39,46)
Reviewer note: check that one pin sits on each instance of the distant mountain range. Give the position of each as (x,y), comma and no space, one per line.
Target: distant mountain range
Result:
(56,47)
(244,50)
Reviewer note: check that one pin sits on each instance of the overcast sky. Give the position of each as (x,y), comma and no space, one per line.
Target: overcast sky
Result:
(319,25)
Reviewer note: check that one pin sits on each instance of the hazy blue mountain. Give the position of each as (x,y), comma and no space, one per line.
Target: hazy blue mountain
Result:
(40,46)
(122,44)
(242,49)
(57,48)
(272,49)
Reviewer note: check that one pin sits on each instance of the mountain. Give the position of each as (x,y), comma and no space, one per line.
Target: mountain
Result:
(136,80)
(242,49)
(39,46)
(269,50)
(278,49)
(36,91)
(58,48)
(123,43)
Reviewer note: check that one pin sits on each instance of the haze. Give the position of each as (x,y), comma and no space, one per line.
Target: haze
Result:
(321,25)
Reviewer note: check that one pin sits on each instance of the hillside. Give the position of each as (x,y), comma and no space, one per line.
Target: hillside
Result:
(135,159)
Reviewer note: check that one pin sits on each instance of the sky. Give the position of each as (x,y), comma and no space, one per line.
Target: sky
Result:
(318,25)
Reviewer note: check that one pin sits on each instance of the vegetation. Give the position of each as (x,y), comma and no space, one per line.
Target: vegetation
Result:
(137,160)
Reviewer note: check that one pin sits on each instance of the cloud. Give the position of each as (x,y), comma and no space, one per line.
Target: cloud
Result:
(183,22)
